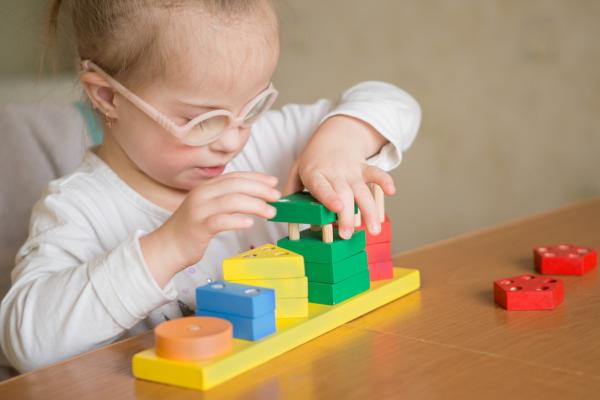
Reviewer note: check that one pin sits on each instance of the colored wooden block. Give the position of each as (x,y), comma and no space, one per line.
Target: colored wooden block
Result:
(291,307)
(312,248)
(565,259)
(285,287)
(290,333)
(528,292)
(381,270)
(302,208)
(246,328)
(338,271)
(379,252)
(193,338)
(334,293)
(234,299)
(265,262)
(384,236)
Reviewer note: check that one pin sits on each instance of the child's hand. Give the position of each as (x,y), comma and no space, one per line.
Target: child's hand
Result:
(333,168)
(221,204)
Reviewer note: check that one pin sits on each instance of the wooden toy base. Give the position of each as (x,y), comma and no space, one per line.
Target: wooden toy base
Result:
(291,332)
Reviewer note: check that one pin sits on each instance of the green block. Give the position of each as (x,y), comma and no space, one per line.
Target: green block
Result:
(302,208)
(334,293)
(314,250)
(338,271)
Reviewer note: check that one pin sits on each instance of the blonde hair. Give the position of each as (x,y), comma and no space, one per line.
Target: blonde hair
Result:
(122,35)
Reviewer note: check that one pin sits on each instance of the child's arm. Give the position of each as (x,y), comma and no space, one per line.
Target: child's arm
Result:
(334,149)
(82,281)
(60,304)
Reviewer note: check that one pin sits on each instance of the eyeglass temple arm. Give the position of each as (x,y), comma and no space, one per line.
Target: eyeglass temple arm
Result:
(88,65)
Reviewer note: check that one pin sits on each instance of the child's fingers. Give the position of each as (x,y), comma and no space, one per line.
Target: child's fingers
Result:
(346,215)
(227,222)
(367,206)
(294,183)
(323,191)
(376,175)
(250,187)
(237,203)
(257,176)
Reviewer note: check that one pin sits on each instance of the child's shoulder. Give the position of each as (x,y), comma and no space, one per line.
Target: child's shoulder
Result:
(85,189)
(90,175)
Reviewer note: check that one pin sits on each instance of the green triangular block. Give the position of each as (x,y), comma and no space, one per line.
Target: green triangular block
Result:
(334,293)
(314,250)
(338,271)
(303,208)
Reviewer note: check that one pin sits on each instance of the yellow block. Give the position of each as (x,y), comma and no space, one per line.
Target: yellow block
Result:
(285,287)
(291,307)
(265,262)
(291,332)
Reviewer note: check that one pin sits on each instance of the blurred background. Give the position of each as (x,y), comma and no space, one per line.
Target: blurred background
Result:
(510,92)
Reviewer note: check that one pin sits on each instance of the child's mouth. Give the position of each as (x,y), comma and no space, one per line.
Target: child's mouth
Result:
(209,172)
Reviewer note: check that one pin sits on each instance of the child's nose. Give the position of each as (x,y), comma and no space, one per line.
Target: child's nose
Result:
(229,141)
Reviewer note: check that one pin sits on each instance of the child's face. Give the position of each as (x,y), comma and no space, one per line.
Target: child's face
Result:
(222,67)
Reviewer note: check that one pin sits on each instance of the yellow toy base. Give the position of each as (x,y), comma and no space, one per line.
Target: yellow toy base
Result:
(291,332)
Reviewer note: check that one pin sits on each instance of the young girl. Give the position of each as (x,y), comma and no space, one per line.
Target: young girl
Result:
(191,157)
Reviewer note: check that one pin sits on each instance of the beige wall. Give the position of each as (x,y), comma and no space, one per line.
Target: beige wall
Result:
(510,91)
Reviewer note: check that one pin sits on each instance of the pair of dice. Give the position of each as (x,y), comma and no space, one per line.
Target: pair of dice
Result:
(531,292)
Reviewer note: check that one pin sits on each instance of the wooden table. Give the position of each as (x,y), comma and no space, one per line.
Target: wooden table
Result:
(447,341)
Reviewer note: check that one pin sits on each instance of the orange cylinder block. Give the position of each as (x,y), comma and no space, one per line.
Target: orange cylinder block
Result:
(193,338)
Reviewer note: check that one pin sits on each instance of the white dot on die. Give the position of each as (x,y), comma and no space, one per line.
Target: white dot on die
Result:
(549,255)
(582,251)
(251,291)
(542,249)
(573,255)
(217,286)
(563,247)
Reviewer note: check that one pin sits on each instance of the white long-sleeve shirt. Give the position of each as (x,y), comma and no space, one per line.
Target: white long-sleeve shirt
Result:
(80,280)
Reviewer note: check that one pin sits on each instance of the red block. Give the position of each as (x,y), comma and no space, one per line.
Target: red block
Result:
(564,259)
(379,252)
(528,292)
(382,270)
(385,235)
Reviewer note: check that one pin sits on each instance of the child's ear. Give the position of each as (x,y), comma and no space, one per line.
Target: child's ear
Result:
(100,93)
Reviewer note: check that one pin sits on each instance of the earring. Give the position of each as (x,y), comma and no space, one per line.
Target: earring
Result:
(108,120)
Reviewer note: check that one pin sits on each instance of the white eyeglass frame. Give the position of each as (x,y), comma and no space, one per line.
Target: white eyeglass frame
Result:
(181,131)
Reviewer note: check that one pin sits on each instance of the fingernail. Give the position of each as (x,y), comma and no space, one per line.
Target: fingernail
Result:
(346,234)
(272,211)
(374,228)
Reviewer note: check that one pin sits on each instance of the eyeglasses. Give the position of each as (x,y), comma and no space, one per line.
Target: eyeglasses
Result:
(206,127)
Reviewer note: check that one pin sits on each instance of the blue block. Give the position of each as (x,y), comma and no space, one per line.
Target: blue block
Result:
(235,299)
(246,328)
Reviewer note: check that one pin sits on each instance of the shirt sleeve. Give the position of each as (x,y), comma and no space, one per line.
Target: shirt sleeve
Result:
(70,295)
(280,135)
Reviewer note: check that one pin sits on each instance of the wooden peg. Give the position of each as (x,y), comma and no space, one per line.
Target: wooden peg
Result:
(294,231)
(379,200)
(327,233)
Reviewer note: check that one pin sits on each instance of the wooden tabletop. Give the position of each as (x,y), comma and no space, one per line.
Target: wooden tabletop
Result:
(448,340)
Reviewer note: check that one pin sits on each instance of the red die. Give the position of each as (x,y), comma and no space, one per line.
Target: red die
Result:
(528,292)
(564,259)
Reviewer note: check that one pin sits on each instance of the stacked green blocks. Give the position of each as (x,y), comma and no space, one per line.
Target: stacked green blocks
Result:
(336,269)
